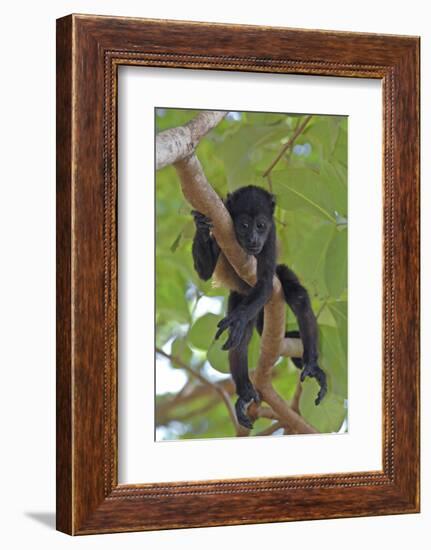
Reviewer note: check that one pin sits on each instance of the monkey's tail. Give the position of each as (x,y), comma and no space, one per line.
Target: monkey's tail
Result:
(287,279)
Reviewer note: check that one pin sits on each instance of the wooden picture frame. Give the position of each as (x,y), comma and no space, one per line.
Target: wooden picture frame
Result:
(89,51)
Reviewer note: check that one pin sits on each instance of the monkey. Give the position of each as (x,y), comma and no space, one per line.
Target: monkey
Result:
(252,212)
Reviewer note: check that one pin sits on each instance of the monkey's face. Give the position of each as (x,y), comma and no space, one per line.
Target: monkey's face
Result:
(252,232)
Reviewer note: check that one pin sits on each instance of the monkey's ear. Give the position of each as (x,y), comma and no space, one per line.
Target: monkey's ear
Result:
(272,203)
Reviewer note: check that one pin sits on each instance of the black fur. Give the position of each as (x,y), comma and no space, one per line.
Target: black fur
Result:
(252,209)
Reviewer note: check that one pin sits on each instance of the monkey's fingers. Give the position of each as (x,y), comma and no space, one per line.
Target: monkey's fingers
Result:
(320,395)
(236,328)
(241,413)
(222,326)
(225,323)
(313,371)
(304,375)
(321,379)
(235,337)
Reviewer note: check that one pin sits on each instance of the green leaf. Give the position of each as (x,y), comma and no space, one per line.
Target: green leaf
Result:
(326,417)
(245,152)
(286,382)
(202,333)
(340,150)
(333,359)
(303,189)
(336,189)
(238,152)
(171,303)
(323,133)
(217,357)
(339,312)
(336,264)
(309,262)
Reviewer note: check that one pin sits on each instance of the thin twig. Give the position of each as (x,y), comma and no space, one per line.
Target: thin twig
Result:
(164,418)
(287,146)
(215,387)
(268,177)
(297,397)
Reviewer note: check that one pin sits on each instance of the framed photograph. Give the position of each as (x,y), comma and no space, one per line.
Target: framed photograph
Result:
(237,274)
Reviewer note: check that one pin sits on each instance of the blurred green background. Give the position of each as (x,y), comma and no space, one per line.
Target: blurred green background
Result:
(310,185)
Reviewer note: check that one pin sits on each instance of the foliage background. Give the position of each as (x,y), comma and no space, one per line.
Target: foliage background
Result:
(310,185)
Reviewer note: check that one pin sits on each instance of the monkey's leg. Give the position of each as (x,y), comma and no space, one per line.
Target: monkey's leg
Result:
(238,364)
(299,302)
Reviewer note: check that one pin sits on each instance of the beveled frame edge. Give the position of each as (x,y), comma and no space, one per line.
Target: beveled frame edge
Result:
(89,51)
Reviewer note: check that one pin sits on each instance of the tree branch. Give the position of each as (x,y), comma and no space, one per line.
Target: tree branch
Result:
(297,397)
(177,143)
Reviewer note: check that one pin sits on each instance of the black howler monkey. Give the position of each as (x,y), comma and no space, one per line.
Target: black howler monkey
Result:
(252,209)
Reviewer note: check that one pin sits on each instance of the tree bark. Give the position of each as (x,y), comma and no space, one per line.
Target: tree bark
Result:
(177,143)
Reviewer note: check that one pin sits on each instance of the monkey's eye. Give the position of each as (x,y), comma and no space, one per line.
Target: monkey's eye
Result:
(260,225)
(244,225)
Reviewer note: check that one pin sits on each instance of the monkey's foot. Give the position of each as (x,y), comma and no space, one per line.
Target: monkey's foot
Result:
(241,406)
(314,371)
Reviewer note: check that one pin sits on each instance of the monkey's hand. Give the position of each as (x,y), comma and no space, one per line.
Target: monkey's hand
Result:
(242,404)
(203,223)
(314,371)
(236,322)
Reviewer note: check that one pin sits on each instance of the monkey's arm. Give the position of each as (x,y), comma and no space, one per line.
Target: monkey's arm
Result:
(256,298)
(298,300)
(205,249)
